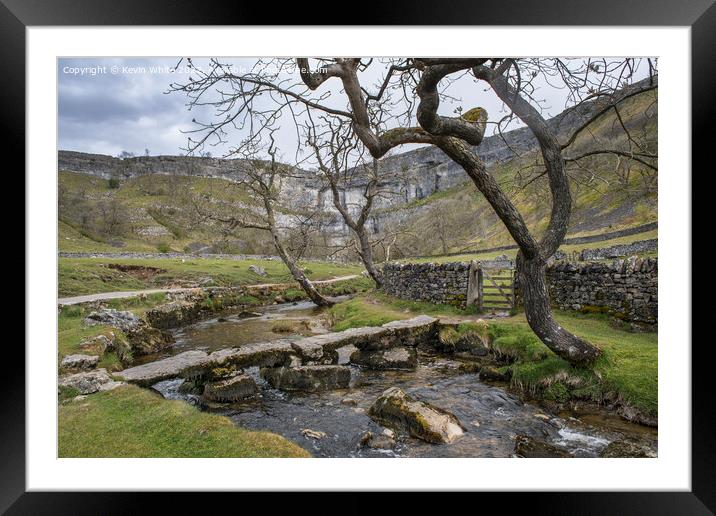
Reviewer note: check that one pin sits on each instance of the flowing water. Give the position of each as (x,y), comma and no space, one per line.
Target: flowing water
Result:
(491,416)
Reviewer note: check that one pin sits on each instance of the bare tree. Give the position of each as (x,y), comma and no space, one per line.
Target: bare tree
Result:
(332,153)
(403,109)
(263,184)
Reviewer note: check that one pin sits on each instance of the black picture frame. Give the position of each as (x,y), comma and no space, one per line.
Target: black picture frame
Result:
(700,15)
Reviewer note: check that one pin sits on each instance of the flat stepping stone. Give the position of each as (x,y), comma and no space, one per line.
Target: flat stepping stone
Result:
(308,378)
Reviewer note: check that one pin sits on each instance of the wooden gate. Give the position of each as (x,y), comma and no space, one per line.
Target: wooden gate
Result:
(491,286)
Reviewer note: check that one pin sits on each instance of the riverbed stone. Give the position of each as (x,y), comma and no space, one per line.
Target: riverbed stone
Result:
(79,362)
(314,378)
(629,447)
(236,388)
(112,341)
(394,408)
(527,447)
(89,382)
(384,359)
(377,442)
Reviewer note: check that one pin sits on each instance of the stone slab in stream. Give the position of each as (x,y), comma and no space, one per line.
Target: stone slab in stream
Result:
(279,353)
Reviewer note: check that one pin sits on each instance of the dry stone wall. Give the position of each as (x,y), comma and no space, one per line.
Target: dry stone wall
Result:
(626,289)
(443,283)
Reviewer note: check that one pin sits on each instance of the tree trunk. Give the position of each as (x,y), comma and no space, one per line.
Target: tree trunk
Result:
(308,287)
(531,275)
(366,256)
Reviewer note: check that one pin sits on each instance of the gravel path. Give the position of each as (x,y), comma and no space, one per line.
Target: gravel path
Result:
(132,293)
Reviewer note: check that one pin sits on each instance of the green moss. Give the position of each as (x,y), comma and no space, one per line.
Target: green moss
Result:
(476,114)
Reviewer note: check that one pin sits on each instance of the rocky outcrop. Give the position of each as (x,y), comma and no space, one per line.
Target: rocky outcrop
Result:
(89,382)
(144,339)
(79,362)
(527,447)
(109,342)
(173,314)
(386,359)
(235,388)
(123,320)
(394,408)
(308,378)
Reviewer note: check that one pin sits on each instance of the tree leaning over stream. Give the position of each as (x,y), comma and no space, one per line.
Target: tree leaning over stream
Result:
(403,109)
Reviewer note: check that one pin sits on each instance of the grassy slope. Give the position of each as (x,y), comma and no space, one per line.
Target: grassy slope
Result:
(156,201)
(79,276)
(600,203)
(567,248)
(628,368)
(134,422)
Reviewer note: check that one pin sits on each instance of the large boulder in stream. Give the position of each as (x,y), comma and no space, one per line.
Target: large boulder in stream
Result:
(307,378)
(236,388)
(394,408)
(393,358)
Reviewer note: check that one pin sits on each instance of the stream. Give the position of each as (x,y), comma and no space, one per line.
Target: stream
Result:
(491,416)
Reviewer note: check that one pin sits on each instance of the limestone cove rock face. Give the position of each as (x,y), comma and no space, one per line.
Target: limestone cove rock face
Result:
(236,388)
(394,408)
(314,378)
(393,358)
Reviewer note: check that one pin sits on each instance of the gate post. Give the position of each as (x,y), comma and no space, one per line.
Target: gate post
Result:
(474,285)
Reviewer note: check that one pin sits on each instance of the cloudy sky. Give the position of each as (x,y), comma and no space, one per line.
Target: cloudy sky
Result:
(110,105)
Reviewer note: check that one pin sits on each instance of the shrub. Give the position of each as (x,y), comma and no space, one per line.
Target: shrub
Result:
(113,183)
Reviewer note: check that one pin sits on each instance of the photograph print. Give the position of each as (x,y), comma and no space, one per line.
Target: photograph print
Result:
(356,257)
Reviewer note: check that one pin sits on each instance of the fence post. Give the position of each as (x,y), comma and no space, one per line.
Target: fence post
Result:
(479,288)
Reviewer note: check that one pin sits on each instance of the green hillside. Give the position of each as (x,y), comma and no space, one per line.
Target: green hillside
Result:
(164,212)
(609,193)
